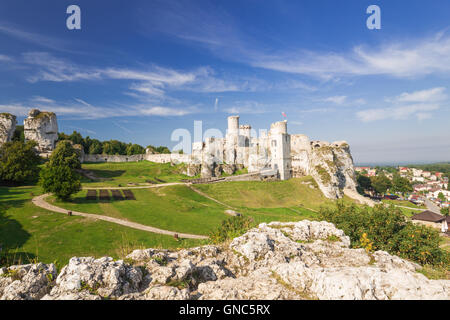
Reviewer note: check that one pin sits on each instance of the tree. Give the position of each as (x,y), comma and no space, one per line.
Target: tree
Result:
(58,176)
(76,138)
(95,147)
(19,134)
(364,182)
(61,180)
(445,211)
(135,149)
(114,147)
(65,154)
(441,197)
(19,162)
(400,184)
(381,183)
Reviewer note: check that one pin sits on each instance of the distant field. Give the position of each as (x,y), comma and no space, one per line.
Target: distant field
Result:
(113,174)
(36,233)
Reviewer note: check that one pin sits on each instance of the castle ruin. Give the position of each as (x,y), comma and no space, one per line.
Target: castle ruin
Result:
(278,153)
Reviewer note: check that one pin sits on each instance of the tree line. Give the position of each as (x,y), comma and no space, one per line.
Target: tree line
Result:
(380,183)
(110,147)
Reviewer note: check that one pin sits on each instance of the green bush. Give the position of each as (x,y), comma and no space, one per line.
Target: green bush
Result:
(58,175)
(421,244)
(19,162)
(231,228)
(388,230)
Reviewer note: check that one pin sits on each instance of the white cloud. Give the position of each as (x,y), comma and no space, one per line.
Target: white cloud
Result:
(336,99)
(400,59)
(40,99)
(243,107)
(417,103)
(430,95)
(163,111)
(5,58)
(396,113)
(216,104)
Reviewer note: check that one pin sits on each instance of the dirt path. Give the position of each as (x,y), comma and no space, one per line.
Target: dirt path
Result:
(39,201)
(356,196)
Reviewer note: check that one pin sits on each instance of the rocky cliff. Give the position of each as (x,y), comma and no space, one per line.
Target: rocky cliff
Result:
(301,260)
(7,127)
(331,165)
(42,127)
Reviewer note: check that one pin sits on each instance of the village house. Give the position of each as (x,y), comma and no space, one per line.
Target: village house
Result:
(426,174)
(431,219)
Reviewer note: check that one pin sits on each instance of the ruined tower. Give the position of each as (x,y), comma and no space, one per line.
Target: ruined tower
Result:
(280,149)
(232,136)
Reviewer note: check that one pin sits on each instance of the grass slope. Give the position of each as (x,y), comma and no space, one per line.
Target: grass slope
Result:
(132,172)
(276,194)
(174,208)
(32,233)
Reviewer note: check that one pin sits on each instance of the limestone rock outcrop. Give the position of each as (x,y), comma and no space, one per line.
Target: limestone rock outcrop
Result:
(279,260)
(7,127)
(26,282)
(42,127)
(331,165)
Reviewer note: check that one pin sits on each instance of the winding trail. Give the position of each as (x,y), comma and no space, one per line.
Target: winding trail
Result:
(39,201)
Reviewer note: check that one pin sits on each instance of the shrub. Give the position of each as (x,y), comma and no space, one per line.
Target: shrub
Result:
(231,228)
(386,228)
(18,162)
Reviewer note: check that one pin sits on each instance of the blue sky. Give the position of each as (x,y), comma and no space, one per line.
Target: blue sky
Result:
(137,70)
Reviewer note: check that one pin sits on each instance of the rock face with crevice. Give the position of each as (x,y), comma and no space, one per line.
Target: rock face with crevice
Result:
(7,127)
(279,260)
(331,165)
(42,127)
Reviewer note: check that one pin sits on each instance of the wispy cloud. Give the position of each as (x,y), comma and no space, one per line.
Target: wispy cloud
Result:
(36,38)
(216,104)
(216,29)
(339,100)
(418,103)
(5,58)
(402,59)
(430,95)
(243,107)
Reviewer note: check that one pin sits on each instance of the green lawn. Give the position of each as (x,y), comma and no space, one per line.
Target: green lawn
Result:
(275,194)
(32,233)
(113,174)
(174,208)
(405,203)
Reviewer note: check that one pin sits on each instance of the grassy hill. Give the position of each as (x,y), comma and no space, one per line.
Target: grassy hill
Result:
(297,192)
(175,208)
(34,233)
(113,174)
